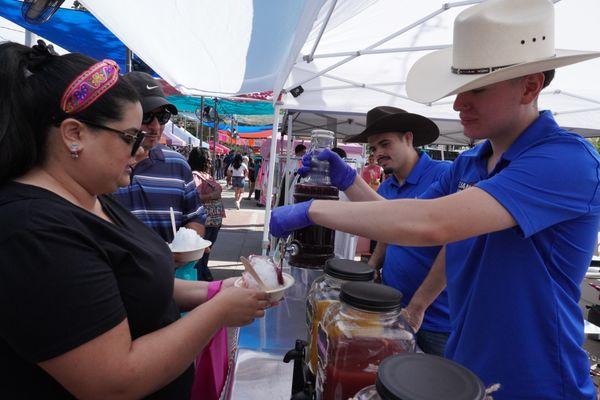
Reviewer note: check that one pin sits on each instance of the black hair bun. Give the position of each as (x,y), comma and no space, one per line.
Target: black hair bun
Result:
(41,53)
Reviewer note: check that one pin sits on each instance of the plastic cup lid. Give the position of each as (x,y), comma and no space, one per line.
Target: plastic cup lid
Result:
(426,377)
(349,270)
(370,296)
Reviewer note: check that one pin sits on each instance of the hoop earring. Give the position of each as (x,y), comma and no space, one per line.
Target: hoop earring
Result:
(74,153)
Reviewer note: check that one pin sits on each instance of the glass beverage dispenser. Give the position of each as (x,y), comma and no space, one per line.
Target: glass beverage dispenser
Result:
(325,291)
(355,335)
(312,246)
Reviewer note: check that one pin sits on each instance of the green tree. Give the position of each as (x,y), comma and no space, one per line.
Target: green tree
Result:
(595,142)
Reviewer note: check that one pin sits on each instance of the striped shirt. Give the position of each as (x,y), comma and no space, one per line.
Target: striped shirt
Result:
(162,180)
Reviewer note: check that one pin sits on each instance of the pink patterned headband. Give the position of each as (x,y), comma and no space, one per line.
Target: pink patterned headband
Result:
(89,86)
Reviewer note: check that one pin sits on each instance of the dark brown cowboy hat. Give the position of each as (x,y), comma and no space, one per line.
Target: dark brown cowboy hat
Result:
(391,119)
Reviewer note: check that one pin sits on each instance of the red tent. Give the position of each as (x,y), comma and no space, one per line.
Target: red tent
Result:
(220,148)
(257,135)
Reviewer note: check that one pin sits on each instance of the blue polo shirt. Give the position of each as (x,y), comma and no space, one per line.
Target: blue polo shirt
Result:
(404,267)
(162,180)
(513,294)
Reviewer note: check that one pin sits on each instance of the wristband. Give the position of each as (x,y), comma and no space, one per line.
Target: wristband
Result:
(213,289)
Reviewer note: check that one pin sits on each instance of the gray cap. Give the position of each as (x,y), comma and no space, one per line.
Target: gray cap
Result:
(150,91)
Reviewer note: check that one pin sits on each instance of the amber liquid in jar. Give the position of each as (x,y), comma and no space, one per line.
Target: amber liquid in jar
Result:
(316,242)
(320,308)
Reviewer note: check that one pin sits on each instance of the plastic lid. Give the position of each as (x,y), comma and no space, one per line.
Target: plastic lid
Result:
(370,296)
(426,377)
(349,270)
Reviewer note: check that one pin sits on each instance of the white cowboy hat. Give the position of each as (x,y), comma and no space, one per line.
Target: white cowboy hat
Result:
(494,41)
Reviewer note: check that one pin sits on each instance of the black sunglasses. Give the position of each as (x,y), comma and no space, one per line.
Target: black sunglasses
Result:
(135,140)
(163,116)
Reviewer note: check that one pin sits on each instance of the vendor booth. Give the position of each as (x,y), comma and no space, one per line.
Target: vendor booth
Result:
(337,58)
(327,62)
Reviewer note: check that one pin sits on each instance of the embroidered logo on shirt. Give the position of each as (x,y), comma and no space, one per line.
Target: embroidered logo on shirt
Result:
(463,185)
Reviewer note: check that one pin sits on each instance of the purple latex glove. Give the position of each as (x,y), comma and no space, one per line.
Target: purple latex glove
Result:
(341,174)
(286,219)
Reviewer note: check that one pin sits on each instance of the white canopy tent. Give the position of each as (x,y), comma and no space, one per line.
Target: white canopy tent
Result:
(186,137)
(347,55)
(364,61)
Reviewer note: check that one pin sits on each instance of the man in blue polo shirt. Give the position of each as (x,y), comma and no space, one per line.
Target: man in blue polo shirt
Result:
(162,178)
(518,214)
(392,135)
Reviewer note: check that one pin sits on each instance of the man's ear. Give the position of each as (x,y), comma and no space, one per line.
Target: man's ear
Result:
(408,136)
(532,86)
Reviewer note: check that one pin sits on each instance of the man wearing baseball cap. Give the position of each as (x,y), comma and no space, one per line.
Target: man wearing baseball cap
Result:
(392,135)
(161,178)
(518,214)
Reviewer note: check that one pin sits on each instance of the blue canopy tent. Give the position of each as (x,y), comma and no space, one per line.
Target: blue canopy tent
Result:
(224,106)
(74,30)
(187,105)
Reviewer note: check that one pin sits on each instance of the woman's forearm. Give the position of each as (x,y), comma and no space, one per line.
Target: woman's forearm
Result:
(113,366)
(166,353)
(189,294)
(116,366)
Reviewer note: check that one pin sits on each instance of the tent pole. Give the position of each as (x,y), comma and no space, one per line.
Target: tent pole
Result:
(128,60)
(28,38)
(382,51)
(270,180)
(361,85)
(288,155)
(309,57)
(215,136)
(558,91)
(202,121)
(576,111)
(215,130)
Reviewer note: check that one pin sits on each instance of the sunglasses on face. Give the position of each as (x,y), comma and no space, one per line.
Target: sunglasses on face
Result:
(163,116)
(134,139)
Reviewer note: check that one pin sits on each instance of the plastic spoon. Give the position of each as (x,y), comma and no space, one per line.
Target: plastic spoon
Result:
(279,268)
(250,269)
(173,221)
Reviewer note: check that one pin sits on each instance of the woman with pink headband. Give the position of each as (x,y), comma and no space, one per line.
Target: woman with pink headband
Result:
(88,303)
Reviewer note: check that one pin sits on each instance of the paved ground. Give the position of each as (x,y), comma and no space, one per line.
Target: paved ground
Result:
(240,235)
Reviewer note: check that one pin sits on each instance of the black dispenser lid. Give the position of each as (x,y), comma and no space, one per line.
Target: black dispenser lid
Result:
(426,377)
(349,270)
(371,296)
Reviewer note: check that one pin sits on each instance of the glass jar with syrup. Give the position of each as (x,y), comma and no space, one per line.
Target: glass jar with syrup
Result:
(312,246)
(325,291)
(356,335)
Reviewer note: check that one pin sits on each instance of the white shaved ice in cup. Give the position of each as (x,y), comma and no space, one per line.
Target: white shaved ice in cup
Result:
(186,240)
(266,270)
